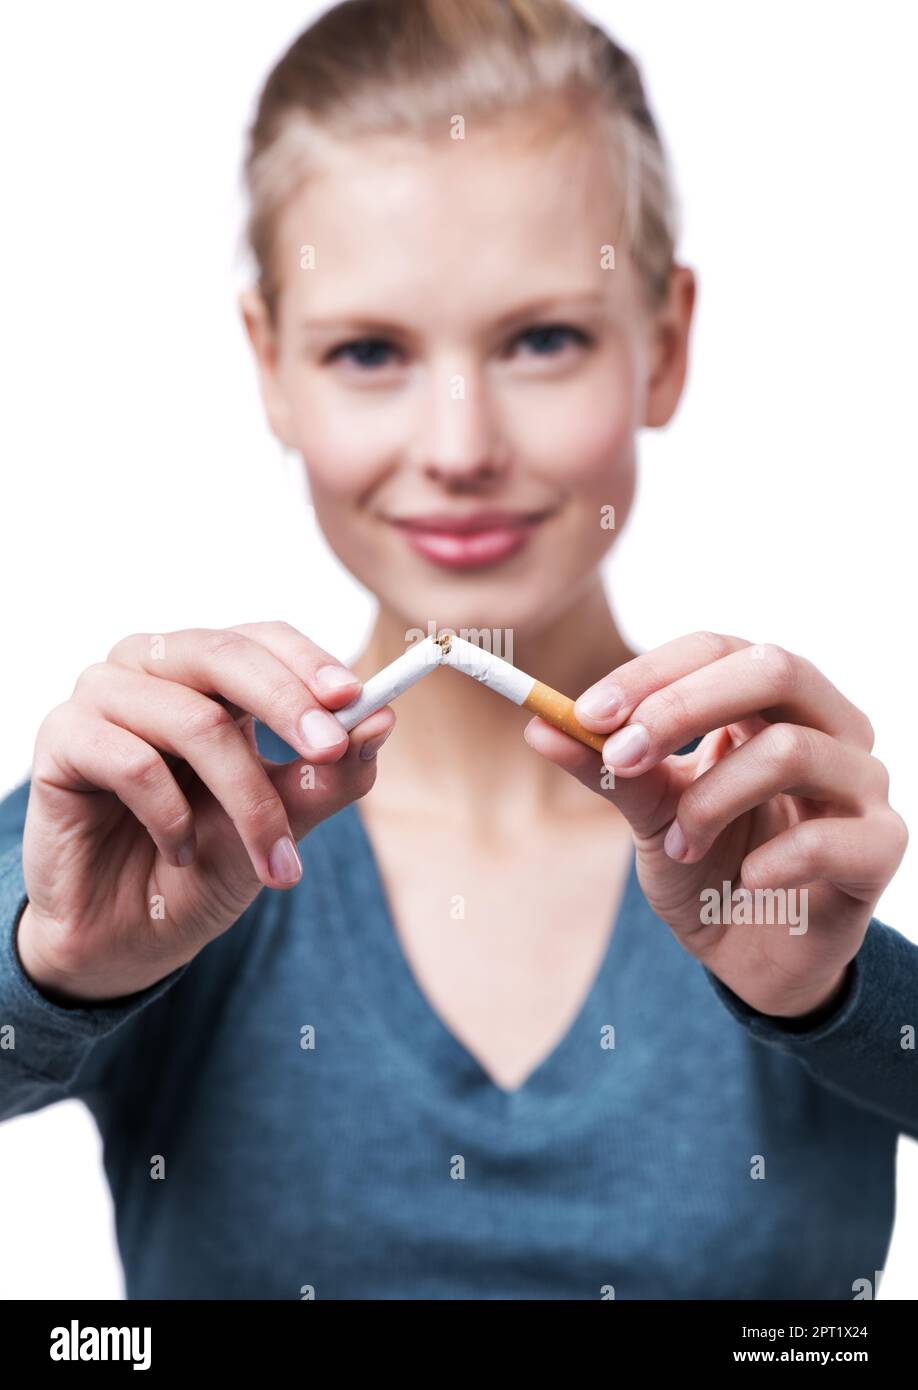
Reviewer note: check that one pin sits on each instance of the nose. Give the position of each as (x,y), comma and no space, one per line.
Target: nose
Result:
(460,443)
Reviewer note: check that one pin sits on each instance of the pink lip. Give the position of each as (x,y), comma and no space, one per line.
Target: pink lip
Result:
(481,538)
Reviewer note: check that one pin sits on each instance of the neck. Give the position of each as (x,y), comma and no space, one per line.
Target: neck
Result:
(458,743)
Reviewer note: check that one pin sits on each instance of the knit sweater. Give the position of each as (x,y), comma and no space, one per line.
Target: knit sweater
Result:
(286,1116)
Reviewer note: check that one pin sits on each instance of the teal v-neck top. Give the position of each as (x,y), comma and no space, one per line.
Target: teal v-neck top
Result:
(320,1133)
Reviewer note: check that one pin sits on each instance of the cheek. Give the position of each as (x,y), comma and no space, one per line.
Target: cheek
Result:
(584,438)
(600,450)
(341,451)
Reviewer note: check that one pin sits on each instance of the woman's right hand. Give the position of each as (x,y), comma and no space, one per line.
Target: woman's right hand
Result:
(152,760)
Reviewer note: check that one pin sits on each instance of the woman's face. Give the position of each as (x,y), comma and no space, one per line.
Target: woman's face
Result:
(453,340)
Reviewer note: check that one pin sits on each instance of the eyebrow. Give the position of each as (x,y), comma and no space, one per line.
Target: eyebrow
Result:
(363,323)
(539,306)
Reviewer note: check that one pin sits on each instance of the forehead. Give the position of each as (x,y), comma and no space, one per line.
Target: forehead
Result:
(401,221)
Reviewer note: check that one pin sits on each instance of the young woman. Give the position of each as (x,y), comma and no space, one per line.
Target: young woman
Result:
(482,1034)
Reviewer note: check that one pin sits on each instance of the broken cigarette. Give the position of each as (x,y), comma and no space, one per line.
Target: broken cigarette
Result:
(400,675)
(515,685)
(481,665)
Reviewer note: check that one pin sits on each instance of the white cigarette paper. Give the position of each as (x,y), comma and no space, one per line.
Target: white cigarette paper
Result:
(481,665)
(491,670)
(515,685)
(391,681)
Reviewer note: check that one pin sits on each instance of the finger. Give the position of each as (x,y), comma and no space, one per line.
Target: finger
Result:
(647,803)
(744,729)
(180,721)
(89,754)
(312,792)
(610,701)
(857,855)
(333,684)
(307,660)
(763,680)
(231,665)
(786,758)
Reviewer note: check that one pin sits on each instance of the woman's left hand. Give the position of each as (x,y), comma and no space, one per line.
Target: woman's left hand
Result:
(782,793)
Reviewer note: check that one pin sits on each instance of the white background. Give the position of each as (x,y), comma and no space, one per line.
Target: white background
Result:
(143,491)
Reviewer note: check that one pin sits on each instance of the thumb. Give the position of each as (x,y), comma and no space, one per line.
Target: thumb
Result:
(312,792)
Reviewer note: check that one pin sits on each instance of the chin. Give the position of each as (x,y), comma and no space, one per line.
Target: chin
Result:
(509,614)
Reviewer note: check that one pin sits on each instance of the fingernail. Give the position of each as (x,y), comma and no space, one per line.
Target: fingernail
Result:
(599,701)
(284,862)
(334,677)
(321,729)
(627,747)
(373,745)
(675,843)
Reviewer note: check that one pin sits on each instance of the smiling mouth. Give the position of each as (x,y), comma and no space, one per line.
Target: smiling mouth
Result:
(473,541)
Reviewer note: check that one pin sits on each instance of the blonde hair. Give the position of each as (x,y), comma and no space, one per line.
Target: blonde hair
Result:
(407,67)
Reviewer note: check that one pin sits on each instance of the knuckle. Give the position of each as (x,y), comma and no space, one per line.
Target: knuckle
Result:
(788,744)
(715,643)
(91,678)
(125,645)
(264,811)
(301,654)
(697,811)
(665,706)
(140,769)
(867,732)
(649,677)
(177,823)
(51,736)
(286,698)
(897,835)
(48,726)
(880,773)
(205,720)
(216,642)
(778,666)
(819,842)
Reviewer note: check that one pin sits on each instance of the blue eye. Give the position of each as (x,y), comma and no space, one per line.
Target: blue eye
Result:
(545,338)
(364,352)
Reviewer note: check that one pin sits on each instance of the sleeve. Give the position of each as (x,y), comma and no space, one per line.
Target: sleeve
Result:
(44,1046)
(864,1047)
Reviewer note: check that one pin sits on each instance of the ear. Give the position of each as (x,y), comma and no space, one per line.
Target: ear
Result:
(669,355)
(263,336)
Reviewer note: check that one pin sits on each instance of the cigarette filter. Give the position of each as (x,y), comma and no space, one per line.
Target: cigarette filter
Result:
(392,680)
(515,685)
